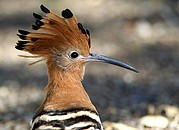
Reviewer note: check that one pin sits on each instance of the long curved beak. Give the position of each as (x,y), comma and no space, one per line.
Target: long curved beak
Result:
(105,59)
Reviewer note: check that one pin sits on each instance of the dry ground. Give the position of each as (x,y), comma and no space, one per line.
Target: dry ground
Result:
(144,34)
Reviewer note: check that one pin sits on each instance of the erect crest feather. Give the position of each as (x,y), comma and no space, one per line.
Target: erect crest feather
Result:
(54,33)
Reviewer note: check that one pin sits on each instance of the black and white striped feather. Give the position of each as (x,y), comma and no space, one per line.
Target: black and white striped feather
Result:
(72,119)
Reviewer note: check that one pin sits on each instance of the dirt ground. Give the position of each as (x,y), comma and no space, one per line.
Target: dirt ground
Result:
(144,34)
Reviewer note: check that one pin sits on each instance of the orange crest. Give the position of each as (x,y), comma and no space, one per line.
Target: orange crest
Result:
(54,34)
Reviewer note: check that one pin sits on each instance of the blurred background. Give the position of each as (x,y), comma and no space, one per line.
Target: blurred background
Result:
(144,34)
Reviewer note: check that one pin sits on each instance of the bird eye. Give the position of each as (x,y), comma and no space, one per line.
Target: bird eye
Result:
(74,54)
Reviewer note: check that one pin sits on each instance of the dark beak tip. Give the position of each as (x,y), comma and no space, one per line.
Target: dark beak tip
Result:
(133,69)
(136,71)
(98,57)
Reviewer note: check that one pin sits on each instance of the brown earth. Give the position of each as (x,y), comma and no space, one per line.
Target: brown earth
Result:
(144,34)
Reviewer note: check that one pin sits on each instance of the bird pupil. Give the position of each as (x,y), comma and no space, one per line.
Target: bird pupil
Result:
(74,55)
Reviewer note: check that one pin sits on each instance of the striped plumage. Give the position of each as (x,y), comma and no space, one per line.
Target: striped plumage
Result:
(70,119)
(65,46)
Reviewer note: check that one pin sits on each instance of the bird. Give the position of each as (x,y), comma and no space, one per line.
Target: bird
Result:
(64,44)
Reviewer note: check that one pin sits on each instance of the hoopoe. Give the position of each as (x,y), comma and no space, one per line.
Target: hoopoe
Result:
(65,46)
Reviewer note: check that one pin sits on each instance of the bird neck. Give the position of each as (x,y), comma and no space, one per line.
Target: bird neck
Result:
(65,90)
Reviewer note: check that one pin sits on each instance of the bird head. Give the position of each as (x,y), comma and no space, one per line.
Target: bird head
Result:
(62,41)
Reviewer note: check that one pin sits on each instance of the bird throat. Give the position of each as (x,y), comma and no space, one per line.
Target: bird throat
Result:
(65,90)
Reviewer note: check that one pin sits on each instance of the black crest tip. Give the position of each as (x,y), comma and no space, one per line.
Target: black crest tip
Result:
(22,42)
(39,23)
(67,13)
(80,26)
(23,32)
(88,32)
(44,9)
(21,36)
(37,16)
(18,47)
(35,27)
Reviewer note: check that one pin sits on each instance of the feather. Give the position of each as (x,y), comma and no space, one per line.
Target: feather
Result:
(52,31)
